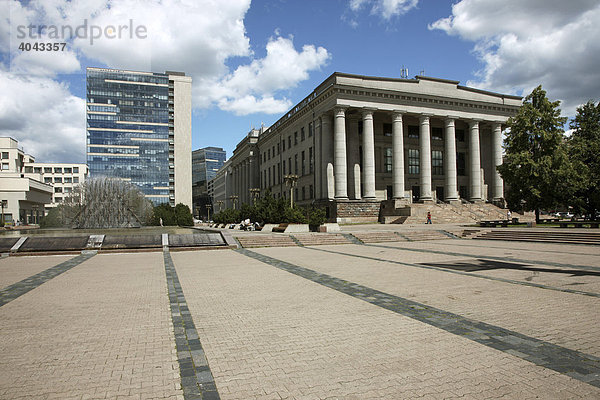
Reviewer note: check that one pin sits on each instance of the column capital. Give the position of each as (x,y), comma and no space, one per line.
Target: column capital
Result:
(368,111)
(424,117)
(339,111)
(397,115)
(474,122)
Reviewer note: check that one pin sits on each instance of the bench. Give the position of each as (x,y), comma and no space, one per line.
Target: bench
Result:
(579,224)
(494,223)
(280,228)
(549,220)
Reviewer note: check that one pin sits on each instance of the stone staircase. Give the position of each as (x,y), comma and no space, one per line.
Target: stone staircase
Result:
(315,239)
(466,213)
(248,241)
(378,237)
(424,235)
(541,236)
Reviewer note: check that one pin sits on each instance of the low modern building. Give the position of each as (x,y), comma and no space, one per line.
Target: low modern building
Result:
(139,129)
(63,177)
(22,198)
(358,140)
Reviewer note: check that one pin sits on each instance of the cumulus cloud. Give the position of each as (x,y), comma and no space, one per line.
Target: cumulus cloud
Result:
(198,37)
(524,44)
(386,9)
(46,119)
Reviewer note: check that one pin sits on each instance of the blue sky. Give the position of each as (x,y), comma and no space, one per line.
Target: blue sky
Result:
(251,61)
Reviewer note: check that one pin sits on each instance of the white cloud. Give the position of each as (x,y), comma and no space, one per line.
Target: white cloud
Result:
(384,8)
(47,120)
(526,43)
(197,37)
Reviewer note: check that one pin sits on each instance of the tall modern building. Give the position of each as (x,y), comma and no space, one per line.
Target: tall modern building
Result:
(139,129)
(205,164)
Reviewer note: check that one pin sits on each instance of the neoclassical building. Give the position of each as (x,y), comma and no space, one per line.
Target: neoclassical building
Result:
(360,140)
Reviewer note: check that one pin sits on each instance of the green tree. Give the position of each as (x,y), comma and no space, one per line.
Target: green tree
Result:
(165,212)
(183,215)
(536,167)
(584,152)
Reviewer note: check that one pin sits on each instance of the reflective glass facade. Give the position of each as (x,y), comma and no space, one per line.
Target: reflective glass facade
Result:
(128,128)
(205,163)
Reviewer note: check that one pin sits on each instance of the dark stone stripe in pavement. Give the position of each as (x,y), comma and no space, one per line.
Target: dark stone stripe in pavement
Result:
(471,274)
(197,380)
(580,366)
(18,289)
(503,258)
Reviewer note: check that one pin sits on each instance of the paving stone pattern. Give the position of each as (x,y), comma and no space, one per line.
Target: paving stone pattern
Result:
(580,366)
(18,289)
(15,269)
(197,380)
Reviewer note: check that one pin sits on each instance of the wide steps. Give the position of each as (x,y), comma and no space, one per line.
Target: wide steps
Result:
(424,235)
(265,241)
(378,237)
(321,239)
(543,236)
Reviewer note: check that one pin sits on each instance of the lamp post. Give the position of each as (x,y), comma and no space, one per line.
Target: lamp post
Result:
(255,194)
(234,199)
(291,180)
(208,207)
(35,208)
(220,203)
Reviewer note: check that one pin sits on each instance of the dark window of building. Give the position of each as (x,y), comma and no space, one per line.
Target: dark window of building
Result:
(302,136)
(303,163)
(68,170)
(58,170)
(416,193)
(283,167)
(269,177)
(310,129)
(460,135)
(360,127)
(264,157)
(29,170)
(296,194)
(413,131)
(311,162)
(37,170)
(461,165)
(290,165)
(75,170)
(283,145)
(68,180)
(311,192)
(387,160)
(387,129)
(437,134)
(437,162)
(278,149)
(278,172)
(303,192)
(5,155)
(57,180)
(75,179)
(463,192)
(268,154)
(296,164)
(273,151)
(295,138)
(289,142)
(47,180)
(57,190)
(47,170)
(413,161)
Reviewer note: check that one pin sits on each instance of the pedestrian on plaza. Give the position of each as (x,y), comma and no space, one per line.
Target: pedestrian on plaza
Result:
(428,217)
(160,220)
(508,215)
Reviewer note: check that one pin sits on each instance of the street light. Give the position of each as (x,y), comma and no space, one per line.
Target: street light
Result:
(220,203)
(4,204)
(35,208)
(208,207)
(255,194)
(234,199)
(291,180)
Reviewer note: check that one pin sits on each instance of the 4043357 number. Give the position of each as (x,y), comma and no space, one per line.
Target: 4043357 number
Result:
(42,46)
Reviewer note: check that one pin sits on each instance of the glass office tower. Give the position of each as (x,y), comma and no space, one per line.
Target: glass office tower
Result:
(137,132)
(205,163)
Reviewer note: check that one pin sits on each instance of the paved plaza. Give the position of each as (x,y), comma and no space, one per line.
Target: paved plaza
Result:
(432,319)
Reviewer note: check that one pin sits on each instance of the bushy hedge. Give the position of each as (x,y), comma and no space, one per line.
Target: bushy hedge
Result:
(178,215)
(268,210)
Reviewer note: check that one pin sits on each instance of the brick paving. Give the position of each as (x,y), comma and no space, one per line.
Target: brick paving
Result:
(384,322)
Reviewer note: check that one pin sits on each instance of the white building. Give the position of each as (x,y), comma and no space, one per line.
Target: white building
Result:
(63,177)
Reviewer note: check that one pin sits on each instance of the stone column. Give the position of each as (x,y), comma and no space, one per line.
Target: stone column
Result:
(475,161)
(497,183)
(450,160)
(327,154)
(339,154)
(368,147)
(398,155)
(425,158)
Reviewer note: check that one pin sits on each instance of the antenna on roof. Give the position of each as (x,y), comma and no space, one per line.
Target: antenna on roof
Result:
(422,72)
(403,72)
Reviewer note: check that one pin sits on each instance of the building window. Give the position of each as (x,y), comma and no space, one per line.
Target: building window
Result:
(57,190)
(5,155)
(5,166)
(437,162)
(273,151)
(290,165)
(57,180)
(302,136)
(437,134)
(37,170)
(75,179)
(296,164)
(264,157)
(68,190)
(295,138)
(278,151)
(68,170)
(289,142)
(296,194)
(303,163)
(387,160)
(29,170)
(58,199)
(283,145)
(311,192)
(75,170)
(311,162)
(57,170)
(284,167)
(68,180)
(413,131)
(269,154)
(269,177)
(460,135)
(461,165)
(47,170)
(47,180)
(310,129)
(387,129)
(278,172)
(303,192)
(413,161)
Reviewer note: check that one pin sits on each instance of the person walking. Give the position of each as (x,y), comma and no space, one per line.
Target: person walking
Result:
(428,217)
(508,215)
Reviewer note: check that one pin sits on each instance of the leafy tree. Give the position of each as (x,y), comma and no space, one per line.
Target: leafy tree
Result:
(536,167)
(183,215)
(584,152)
(165,212)
(316,216)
